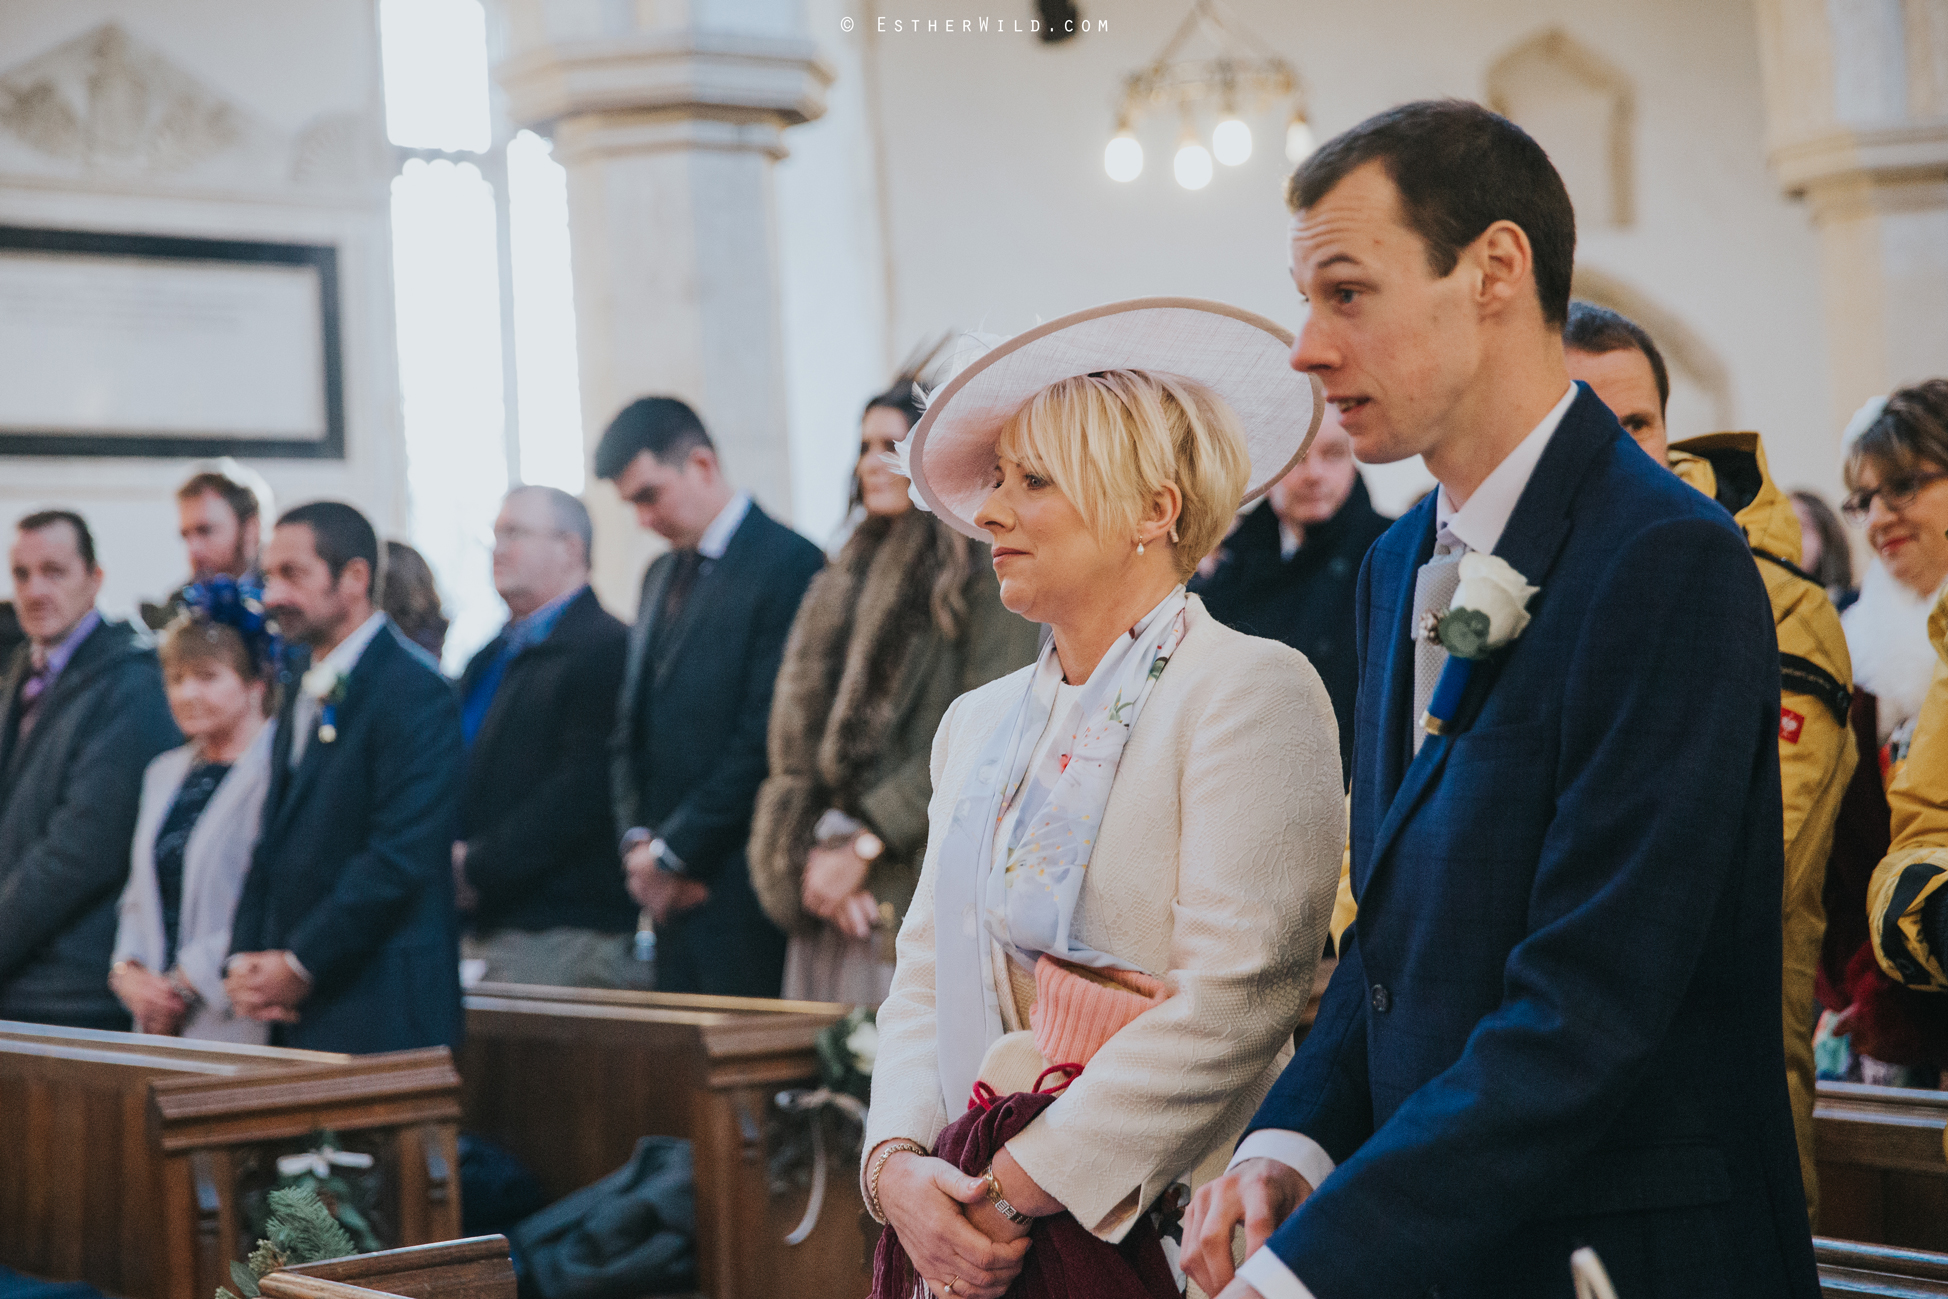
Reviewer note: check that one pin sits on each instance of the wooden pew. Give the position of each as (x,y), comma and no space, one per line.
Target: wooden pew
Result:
(1883,1176)
(127,1157)
(568,1079)
(475,1268)
(1851,1270)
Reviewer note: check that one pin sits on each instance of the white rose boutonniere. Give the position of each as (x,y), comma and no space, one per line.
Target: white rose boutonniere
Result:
(325,684)
(1490,608)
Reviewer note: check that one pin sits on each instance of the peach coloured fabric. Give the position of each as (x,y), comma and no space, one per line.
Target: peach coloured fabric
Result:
(1076,1012)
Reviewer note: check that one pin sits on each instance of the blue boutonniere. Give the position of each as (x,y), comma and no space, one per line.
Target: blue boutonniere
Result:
(326,684)
(1490,609)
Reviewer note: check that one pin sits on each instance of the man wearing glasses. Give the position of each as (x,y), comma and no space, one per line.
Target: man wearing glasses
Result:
(534,868)
(1816,754)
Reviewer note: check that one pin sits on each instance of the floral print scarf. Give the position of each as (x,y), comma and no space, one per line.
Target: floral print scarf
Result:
(1013,859)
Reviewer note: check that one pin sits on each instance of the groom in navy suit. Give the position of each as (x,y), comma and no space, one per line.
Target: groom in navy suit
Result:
(1554,1023)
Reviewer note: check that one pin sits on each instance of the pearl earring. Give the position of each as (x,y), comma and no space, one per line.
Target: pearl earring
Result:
(1173,536)
(1139,547)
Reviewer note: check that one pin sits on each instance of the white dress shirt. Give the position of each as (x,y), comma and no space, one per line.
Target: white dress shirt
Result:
(716,538)
(1476,525)
(344,657)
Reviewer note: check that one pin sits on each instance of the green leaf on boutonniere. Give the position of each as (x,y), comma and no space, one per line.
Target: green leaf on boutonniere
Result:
(1464,633)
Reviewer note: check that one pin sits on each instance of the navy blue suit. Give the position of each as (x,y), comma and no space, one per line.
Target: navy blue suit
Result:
(688,753)
(353,869)
(1555,1021)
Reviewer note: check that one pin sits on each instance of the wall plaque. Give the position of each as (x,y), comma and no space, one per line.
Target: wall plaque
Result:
(165,346)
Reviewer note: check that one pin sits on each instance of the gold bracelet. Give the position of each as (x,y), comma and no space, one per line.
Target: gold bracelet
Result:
(893,1147)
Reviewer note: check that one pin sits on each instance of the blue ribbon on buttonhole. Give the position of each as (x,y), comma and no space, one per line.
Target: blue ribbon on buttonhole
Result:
(1446,700)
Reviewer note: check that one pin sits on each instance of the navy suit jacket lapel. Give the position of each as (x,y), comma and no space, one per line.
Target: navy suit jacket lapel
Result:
(713,575)
(656,584)
(1397,694)
(1530,543)
(317,754)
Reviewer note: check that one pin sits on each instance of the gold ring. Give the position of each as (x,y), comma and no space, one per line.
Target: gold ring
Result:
(951,1284)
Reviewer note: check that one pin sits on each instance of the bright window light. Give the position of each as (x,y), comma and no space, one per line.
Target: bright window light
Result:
(435,57)
(544,317)
(446,278)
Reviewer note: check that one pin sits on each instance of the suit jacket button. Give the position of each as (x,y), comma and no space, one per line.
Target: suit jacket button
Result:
(1382,999)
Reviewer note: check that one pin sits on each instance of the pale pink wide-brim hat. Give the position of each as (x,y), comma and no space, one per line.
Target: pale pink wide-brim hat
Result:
(1242,357)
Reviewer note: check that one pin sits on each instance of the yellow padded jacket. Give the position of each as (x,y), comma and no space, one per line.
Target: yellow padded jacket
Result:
(1816,753)
(1916,865)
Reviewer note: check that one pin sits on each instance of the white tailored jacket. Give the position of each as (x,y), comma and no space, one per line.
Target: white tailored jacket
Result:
(1214,871)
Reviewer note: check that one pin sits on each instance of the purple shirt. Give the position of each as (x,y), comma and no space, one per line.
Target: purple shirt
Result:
(48,664)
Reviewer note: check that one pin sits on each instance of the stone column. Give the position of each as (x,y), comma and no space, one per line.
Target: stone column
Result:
(1857,116)
(668,117)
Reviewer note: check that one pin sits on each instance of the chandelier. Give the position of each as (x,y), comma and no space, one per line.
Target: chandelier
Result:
(1241,78)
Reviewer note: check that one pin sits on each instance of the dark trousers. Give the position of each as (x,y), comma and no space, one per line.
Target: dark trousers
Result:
(727,947)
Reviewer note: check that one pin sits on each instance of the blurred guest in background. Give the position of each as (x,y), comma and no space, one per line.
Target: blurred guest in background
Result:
(1620,363)
(220,513)
(411,599)
(345,938)
(688,752)
(535,863)
(82,712)
(201,808)
(1287,570)
(907,618)
(1897,476)
(1825,551)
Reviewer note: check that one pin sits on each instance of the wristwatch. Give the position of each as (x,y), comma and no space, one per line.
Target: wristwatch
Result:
(666,860)
(868,846)
(1000,1201)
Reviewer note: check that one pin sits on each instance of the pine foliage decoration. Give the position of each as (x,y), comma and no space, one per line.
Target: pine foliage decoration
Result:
(300,1230)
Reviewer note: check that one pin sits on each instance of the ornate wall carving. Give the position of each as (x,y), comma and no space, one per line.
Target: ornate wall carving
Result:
(110,107)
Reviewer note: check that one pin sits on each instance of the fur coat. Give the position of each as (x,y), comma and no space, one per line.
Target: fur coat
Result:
(906,619)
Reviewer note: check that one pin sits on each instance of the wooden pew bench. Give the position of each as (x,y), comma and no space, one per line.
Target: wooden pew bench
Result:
(1849,1269)
(1882,1173)
(475,1268)
(568,1079)
(129,1159)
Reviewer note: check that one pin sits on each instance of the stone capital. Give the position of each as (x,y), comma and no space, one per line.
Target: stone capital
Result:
(1908,156)
(761,83)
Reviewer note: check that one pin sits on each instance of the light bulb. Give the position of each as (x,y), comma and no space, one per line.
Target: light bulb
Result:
(1298,141)
(1123,158)
(1231,142)
(1193,165)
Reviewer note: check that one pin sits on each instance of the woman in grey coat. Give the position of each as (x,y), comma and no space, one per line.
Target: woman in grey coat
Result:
(198,821)
(905,620)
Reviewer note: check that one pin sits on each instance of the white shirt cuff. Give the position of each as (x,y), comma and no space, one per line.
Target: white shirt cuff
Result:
(297,968)
(1266,1273)
(1295,1150)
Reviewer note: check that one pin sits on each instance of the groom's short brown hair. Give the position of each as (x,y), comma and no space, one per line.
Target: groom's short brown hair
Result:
(1458,169)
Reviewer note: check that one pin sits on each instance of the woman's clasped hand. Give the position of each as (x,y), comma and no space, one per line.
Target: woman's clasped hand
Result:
(933,1207)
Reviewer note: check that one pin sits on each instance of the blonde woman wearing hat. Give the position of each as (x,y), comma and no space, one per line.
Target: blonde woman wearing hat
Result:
(1133,842)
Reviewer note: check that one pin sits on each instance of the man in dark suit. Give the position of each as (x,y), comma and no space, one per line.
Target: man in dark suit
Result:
(1288,569)
(82,711)
(345,935)
(535,864)
(1555,1021)
(689,747)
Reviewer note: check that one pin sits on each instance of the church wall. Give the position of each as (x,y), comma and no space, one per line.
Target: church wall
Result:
(999,211)
(301,159)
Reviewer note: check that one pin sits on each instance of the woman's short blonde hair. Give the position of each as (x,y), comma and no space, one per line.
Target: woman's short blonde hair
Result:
(1109,440)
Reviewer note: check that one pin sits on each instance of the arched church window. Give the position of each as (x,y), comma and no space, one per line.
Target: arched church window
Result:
(484,306)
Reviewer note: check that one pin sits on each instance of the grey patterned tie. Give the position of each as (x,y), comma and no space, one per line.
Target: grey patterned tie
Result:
(1433,592)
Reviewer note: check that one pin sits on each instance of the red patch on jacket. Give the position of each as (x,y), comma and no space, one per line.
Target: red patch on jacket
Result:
(1790,725)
